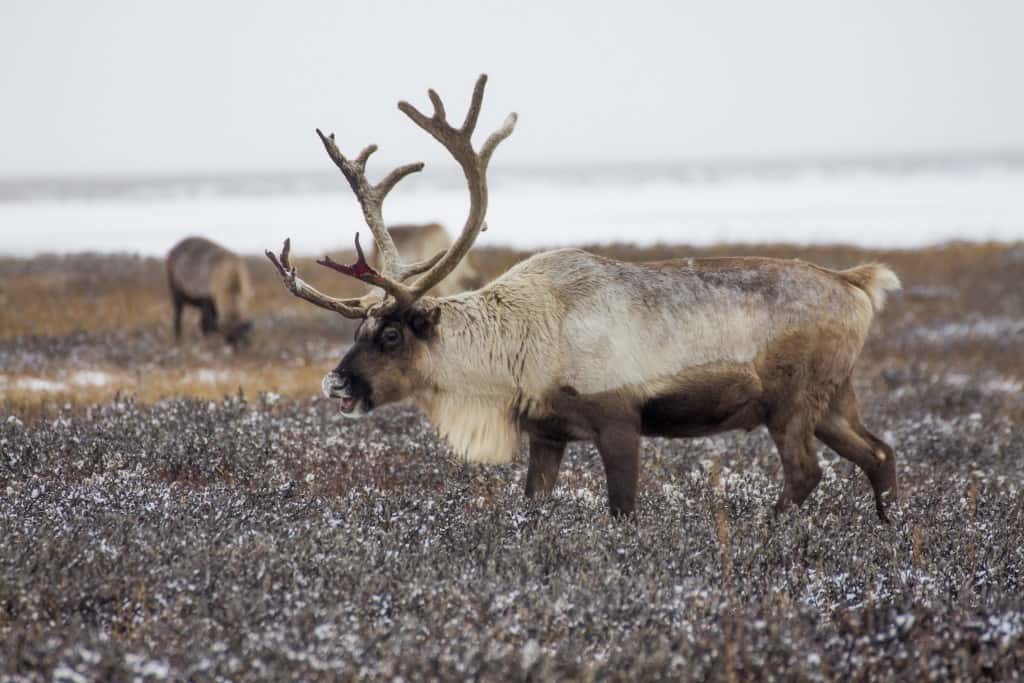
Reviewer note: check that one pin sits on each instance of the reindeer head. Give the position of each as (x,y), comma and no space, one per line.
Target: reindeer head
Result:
(389,359)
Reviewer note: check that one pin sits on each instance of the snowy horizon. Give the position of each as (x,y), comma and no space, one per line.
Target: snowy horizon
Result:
(897,205)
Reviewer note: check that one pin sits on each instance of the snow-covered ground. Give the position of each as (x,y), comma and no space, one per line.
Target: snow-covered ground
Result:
(858,205)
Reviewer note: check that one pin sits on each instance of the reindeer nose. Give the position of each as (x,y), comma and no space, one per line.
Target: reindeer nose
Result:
(334,385)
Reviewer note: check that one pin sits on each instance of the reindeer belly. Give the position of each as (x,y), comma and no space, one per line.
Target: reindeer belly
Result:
(696,401)
(704,400)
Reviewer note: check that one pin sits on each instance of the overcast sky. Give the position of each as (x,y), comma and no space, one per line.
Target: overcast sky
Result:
(104,87)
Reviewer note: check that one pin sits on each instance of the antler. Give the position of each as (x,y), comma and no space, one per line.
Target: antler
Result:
(350,308)
(371,197)
(458,141)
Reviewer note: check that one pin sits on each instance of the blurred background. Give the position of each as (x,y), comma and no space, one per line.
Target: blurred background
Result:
(874,123)
(820,129)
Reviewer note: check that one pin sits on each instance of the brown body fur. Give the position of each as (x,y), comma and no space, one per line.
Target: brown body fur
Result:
(204,274)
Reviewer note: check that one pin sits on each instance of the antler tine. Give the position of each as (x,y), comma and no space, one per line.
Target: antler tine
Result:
(364,272)
(347,307)
(496,137)
(384,186)
(469,125)
(364,155)
(419,267)
(435,99)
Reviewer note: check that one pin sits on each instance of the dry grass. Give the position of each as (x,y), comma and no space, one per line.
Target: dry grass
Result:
(156,384)
(57,295)
(61,314)
(54,295)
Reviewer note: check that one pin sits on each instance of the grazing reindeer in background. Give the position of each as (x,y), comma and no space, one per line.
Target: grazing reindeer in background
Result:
(568,345)
(204,274)
(418,242)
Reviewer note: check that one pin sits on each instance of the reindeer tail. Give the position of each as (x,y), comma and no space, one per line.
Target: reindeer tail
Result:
(875,279)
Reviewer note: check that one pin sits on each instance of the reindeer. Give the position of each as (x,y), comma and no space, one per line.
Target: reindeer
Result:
(568,345)
(416,242)
(204,274)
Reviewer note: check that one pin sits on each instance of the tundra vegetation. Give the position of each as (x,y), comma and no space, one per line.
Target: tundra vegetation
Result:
(192,528)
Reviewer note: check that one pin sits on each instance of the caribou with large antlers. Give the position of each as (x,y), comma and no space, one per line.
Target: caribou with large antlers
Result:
(568,345)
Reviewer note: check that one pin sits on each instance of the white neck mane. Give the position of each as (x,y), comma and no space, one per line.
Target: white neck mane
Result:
(486,368)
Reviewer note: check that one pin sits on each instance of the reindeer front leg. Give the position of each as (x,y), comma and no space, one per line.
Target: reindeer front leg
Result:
(545,458)
(619,446)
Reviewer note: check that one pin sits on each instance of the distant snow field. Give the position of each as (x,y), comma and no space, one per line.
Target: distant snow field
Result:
(860,207)
(97,378)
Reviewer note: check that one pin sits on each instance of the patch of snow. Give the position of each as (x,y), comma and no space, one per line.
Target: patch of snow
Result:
(325,631)
(530,654)
(210,376)
(65,674)
(144,666)
(90,378)
(580,495)
(994,328)
(1004,629)
(993,385)
(1004,385)
(39,384)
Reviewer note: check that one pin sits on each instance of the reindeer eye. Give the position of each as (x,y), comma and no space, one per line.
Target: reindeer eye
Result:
(390,336)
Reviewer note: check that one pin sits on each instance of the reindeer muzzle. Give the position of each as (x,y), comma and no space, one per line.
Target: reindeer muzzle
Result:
(349,391)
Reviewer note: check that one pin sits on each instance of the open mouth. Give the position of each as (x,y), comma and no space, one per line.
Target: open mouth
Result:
(348,403)
(352,395)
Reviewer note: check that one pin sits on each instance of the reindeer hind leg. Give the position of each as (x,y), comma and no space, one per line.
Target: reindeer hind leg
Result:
(842,431)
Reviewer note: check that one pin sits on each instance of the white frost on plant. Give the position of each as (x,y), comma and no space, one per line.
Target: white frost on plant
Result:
(65,674)
(530,655)
(145,667)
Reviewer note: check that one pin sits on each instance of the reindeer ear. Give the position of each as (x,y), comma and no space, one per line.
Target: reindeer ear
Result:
(422,323)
